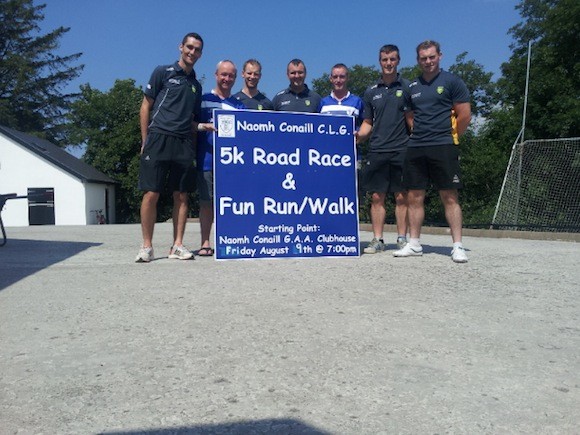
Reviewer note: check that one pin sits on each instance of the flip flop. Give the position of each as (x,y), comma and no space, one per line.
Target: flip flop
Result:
(205,252)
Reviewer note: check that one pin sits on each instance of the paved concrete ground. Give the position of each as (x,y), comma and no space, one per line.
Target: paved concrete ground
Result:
(91,342)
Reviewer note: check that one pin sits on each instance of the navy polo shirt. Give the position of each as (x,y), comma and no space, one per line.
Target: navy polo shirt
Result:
(431,103)
(305,101)
(177,100)
(385,106)
(258,102)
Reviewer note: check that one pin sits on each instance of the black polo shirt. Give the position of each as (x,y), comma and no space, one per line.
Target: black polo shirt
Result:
(385,106)
(259,102)
(431,103)
(177,100)
(305,101)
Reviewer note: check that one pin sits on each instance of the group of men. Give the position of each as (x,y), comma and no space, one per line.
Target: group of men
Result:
(412,129)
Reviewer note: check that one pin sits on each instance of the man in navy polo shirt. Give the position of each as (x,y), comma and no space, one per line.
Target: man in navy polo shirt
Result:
(171,105)
(385,104)
(441,112)
(220,97)
(250,96)
(296,97)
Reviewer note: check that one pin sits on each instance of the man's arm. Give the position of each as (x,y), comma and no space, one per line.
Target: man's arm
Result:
(146,106)
(410,118)
(364,131)
(463,116)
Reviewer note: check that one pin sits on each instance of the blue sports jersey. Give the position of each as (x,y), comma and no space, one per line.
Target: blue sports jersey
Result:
(350,105)
(209,102)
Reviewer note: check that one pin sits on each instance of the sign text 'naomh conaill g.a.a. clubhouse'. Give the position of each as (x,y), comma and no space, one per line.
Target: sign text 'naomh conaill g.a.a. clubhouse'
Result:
(285,185)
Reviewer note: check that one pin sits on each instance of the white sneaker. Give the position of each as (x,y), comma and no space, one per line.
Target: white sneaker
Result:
(180,253)
(409,251)
(145,255)
(458,255)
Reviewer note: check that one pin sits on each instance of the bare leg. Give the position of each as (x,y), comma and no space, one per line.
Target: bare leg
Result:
(416,210)
(205,222)
(450,199)
(378,213)
(401,213)
(148,217)
(180,212)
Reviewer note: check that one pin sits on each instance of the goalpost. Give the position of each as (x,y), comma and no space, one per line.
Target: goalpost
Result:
(541,187)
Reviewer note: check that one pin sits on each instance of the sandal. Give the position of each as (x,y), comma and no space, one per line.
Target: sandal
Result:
(205,252)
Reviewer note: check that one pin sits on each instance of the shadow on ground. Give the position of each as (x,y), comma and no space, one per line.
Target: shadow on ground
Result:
(276,426)
(22,258)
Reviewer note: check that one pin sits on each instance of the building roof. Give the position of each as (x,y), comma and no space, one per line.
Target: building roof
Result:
(57,156)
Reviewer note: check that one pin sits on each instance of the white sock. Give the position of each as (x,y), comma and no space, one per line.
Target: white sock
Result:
(457,245)
(414,242)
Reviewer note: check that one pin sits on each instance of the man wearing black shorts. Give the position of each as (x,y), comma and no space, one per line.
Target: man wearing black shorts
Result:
(171,102)
(384,116)
(440,113)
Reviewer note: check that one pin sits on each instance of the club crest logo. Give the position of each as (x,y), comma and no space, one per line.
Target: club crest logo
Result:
(399,93)
(440,89)
(307,102)
(260,107)
(226,125)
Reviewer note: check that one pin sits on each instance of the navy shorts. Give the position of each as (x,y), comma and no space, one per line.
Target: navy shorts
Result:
(167,163)
(205,186)
(383,172)
(437,164)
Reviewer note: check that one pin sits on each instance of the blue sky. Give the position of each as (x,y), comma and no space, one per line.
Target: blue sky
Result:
(123,39)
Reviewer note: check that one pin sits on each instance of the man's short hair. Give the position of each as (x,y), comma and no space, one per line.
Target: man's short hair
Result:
(425,45)
(254,62)
(194,36)
(296,62)
(340,65)
(389,48)
(221,62)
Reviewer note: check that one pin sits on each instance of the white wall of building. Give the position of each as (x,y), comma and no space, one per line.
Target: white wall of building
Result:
(21,169)
(96,195)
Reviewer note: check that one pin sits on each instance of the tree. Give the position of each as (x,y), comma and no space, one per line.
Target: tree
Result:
(108,124)
(481,88)
(31,75)
(554,89)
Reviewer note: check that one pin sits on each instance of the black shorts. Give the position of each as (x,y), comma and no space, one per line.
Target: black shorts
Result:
(205,186)
(382,172)
(165,155)
(438,164)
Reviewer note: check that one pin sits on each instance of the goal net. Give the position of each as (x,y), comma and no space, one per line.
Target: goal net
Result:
(541,188)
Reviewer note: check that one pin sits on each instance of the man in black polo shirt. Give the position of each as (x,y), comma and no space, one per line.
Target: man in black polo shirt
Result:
(171,102)
(441,112)
(297,97)
(385,104)
(250,96)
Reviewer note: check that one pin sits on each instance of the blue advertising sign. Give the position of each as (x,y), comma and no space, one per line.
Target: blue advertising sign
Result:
(285,185)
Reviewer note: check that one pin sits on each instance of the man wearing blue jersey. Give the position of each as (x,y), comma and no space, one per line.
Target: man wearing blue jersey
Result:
(341,101)
(297,97)
(168,116)
(250,96)
(440,113)
(385,104)
(219,98)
